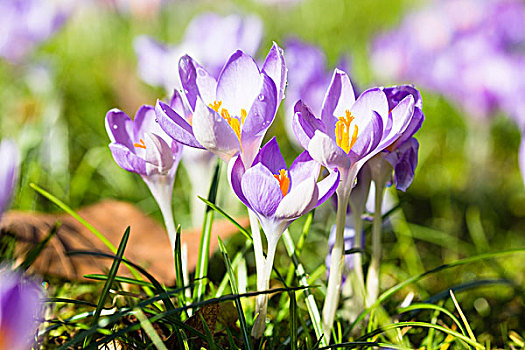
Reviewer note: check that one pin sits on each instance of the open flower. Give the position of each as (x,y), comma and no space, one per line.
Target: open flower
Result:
(8,172)
(278,196)
(140,146)
(20,307)
(230,115)
(209,38)
(350,131)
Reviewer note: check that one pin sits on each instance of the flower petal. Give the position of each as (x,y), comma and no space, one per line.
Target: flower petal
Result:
(178,105)
(261,190)
(235,173)
(275,67)
(302,168)
(158,155)
(214,133)
(145,121)
(368,139)
(270,156)
(327,186)
(119,128)
(339,98)
(196,81)
(259,119)
(127,160)
(175,126)
(325,150)
(305,123)
(301,199)
(401,116)
(239,83)
(369,101)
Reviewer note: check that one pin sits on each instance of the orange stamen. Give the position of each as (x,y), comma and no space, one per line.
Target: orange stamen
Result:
(244,114)
(234,122)
(140,145)
(284,181)
(342,132)
(216,105)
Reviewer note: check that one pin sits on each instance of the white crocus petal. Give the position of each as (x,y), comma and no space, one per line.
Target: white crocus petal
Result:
(401,115)
(325,150)
(214,133)
(158,155)
(299,200)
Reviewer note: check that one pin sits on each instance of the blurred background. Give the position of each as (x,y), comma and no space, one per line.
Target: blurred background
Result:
(63,66)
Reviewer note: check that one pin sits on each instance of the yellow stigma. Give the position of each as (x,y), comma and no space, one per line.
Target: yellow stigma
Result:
(140,145)
(234,122)
(284,181)
(342,132)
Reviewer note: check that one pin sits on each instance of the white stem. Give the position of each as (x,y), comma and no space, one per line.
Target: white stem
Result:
(263,283)
(358,257)
(257,243)
(336,268)
(161,187)
(372,280)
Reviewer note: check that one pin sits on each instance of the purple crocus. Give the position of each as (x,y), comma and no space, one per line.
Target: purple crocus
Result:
(210,38)
(307,78)
(140,146)
(8,172)
(26,23)
(20,308)
(349,239)
(278,196)
(230,115)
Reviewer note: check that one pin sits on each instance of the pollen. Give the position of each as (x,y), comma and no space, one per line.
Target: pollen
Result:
(140,145)
(284,181)
(342,132)
(233,121)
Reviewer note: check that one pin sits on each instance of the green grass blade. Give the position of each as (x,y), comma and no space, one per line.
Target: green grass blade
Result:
(437,308)
(209,336)
(111,278)
(462,315)
(150,331)
(120,279)
(33,254)
(228,217)
(293,321)
(179,274)
(235,290)
(201,269)
(235,262)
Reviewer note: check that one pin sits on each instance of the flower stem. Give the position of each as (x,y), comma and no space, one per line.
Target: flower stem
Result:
(263,283)
(161,188)
(257,243)
(358,258)
(336,268)
(372,280)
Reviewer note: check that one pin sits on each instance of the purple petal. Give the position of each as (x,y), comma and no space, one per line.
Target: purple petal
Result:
(175,126)
(261,190)
(339,98)
(401,116)
(368,139)
(413,127)
(145,121)
(302,168)
(8,172)
(196,81)
(127,160)
(119,127)
(395,94)
(325,150)
(370,101)
(404,162)
(239,83)
(327,187)
(152,60)
(305,123)
(270,156)
(214,133)
(275,67)
(158,155)
(235,173)
(178,105)
(300,200)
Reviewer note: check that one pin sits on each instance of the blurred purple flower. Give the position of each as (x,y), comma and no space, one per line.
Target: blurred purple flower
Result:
(231,115)
(463,49)
(140,146)
(20,308)
(349,239)
(26,23)
(350,131)
(308,78)
(209,39)
(8,172)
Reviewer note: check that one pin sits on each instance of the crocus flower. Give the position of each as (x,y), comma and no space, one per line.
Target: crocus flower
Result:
(308,78)
(140,146)
(278,196)
(20,308)
(230,115)
(209,38)
(26,23)
(8,172)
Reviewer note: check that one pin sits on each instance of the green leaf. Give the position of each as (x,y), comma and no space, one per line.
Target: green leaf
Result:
(33,254)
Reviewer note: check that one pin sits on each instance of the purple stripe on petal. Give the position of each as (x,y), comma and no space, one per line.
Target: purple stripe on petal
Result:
(119,127)
(369,101)
(239,83)
(175,126)
(302,168)
(325,150)
(270,156)
(261,190)
(127,160)
(196,81)
(339,97)
(178,105)
(275,67)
